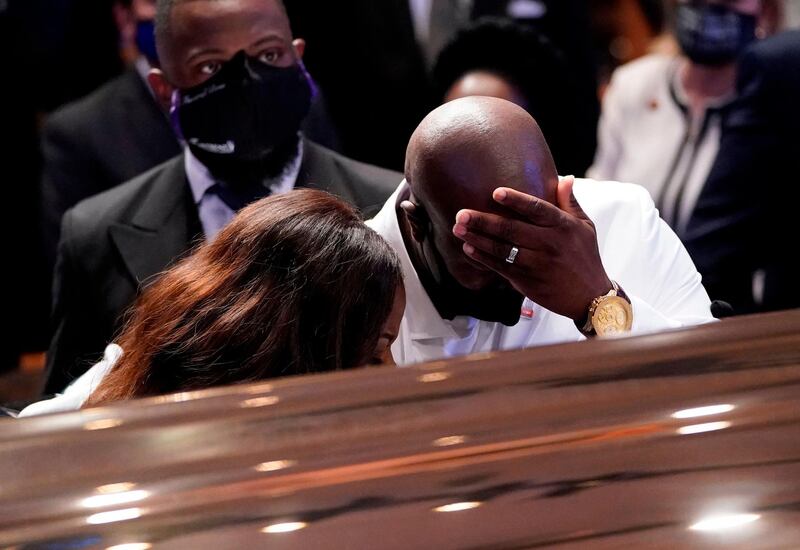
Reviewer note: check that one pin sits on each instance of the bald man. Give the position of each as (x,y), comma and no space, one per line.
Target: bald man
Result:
(500,253)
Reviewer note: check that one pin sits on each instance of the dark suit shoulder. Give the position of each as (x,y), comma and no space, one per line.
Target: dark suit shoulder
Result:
(93,110)
(769,82)
(783,47)
(773,63)
(366,185)
(369,172)
(91,218)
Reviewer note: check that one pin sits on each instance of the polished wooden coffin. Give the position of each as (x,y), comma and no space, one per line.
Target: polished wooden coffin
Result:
(686,439)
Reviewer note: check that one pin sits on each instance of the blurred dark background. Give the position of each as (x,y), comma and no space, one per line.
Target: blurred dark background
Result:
(374,75)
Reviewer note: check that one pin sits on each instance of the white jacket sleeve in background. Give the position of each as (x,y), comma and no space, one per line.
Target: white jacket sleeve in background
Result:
(645,257)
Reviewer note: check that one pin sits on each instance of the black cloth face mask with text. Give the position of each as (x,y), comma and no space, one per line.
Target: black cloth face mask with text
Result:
(243,122)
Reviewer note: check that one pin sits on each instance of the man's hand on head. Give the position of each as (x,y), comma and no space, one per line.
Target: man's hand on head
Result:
(558,262)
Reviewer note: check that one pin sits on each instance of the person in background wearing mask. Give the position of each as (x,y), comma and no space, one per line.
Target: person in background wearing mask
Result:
(110,136)
(232,78)
(120,130)
(662,115)
(745,217)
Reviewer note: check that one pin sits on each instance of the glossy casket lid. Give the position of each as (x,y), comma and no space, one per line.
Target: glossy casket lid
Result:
(683,439)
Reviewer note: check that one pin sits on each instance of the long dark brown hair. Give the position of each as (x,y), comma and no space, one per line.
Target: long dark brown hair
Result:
(295,284)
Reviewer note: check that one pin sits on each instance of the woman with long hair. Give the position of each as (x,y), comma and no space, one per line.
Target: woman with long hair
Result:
(295,284)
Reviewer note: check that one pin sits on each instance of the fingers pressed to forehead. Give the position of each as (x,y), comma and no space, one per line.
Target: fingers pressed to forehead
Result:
(538,211)
(524,266)
(497,265)
(526,262)
(499,227)
(497,246)
(489,245)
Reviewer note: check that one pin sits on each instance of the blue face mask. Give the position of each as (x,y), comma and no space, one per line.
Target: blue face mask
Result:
(146,40)
(712,34)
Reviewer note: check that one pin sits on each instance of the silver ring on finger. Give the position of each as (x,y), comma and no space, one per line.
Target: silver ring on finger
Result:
(512,256)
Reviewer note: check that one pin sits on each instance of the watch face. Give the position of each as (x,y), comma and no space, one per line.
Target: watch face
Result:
(613,316)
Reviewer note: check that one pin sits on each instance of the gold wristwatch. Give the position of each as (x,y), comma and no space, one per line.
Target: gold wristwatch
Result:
(610,314)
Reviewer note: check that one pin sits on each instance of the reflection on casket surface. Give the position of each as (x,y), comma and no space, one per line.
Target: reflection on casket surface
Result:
(683,439)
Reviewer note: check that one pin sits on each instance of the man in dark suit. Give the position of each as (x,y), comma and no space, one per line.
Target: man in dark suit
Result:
(232,73)
(118,131)
(744,221)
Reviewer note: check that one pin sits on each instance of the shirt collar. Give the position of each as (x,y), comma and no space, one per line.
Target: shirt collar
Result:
(201,180)
(422,318)
(143,66)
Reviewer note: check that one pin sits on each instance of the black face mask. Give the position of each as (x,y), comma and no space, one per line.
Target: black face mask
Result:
(500,303)
(243,122)
(713,34)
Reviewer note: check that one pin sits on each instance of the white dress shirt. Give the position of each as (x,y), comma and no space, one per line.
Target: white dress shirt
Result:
(143,67)
(647,136)
(638,250)
(213,212)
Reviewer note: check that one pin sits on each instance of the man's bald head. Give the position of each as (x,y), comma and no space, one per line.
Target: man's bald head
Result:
(457,157)
(467,148)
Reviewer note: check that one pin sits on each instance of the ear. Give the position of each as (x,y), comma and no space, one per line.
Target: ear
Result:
(299,47)
(417,218)
(161,88)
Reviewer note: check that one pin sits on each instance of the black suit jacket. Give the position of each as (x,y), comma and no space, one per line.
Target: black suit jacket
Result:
(111,136)
(114,243)
(95,143)
(745,219)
